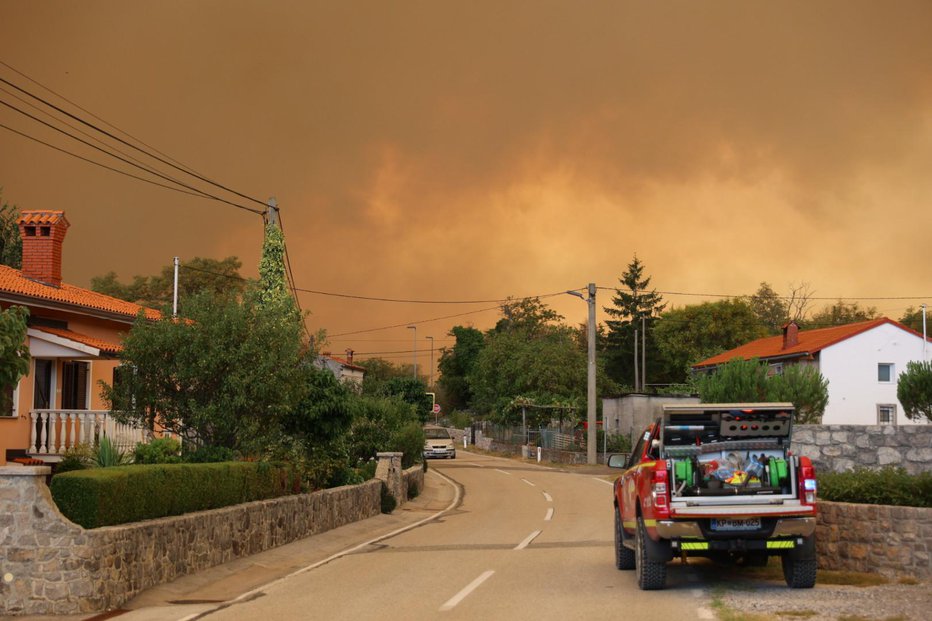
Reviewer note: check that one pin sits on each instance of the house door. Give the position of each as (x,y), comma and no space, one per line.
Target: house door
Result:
(74,385)
(42,392)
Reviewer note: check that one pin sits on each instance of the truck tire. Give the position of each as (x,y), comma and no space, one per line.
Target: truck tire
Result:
(799,573)
(652,575)
(624,556)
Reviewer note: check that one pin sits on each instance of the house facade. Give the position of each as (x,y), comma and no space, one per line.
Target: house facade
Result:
(74,339)
(861,361)
(343,368)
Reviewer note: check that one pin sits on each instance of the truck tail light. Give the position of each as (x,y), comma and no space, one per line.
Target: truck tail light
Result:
(659,491)
(807,481)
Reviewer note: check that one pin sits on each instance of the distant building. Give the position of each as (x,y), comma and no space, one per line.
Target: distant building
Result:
(861,362)
(343,368)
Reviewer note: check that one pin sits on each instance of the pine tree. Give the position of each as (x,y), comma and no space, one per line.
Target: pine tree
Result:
(273,281)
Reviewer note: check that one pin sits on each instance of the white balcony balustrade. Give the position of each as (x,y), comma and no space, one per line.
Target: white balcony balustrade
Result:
(55,431)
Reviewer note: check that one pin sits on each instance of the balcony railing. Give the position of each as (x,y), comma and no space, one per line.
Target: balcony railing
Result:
(55,431)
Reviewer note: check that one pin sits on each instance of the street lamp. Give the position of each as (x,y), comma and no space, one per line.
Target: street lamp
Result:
(415,349)
(591,448)
(431,382)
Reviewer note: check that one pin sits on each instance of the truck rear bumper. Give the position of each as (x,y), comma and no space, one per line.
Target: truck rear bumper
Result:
(785,527)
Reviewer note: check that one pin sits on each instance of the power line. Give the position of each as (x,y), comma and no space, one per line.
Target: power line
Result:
(779,297)
(132,146)
(126,161)
(411,323)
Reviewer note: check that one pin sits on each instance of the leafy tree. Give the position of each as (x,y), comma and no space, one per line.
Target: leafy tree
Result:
(457,362)
(804,387)
(14,353)
(11,244)
(841,313)
(378,372)
(769,308)
(692,333)
(273,280)
(224,377)
(529,315)
(914,390)
(385,424)
(633,301)
(736,381)
(412,391)
(912,318)
(199,275)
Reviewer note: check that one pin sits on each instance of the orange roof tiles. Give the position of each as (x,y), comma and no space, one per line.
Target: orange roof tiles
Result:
(13,281)
(101,344)
(809,342)
(41,217)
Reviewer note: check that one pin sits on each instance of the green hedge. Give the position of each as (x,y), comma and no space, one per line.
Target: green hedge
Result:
(107,496)
(885,486)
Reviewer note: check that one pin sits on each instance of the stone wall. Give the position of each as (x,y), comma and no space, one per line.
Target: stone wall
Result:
(48,565)
(413,480)
(893,541)
(836,448)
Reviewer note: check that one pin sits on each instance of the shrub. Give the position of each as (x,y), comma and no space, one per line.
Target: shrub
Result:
(208,455)
(159,451)
(107,496)
(107,455)
(388,501)
(77,457)
(885,486)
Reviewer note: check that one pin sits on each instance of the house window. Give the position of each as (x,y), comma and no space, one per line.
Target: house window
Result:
(42,383)
(886,415)
(8,398)
(885,372)
(74,385)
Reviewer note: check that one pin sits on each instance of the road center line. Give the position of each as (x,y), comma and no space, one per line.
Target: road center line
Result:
(527,540)
(548,497)
(603,481)
(503,471)
(549,515)
(469,588)
(528,482)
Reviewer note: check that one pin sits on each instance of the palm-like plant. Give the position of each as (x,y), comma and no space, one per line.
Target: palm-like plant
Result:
(106,454)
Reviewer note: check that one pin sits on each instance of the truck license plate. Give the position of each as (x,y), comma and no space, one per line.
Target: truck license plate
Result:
(736,524)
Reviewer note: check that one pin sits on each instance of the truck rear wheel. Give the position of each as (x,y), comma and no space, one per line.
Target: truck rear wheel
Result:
(799,573)
(624,556)
(652,575)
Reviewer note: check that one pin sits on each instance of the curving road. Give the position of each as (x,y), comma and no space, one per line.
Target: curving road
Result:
(524,542)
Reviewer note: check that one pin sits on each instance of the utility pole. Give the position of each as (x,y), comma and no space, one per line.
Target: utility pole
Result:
(925,341)
(431,382)
(175,291)
(643,356)
(636,380)
(271,213)
(415,349)
(592,456)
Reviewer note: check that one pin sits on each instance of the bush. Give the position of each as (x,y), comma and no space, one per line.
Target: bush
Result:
(159,451)
(78,457)
(107,496)
(388,501)
(886,486)
(208,455)
(107,455)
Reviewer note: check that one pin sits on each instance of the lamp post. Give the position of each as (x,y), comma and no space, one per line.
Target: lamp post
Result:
(591,448)
(430,384)
(415,349)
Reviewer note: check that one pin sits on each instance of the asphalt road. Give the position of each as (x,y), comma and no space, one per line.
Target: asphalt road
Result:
(525,542)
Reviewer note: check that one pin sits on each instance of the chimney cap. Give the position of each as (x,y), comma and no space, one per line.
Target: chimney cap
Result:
(40,217)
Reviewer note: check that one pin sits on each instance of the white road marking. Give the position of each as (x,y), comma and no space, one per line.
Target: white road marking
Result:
(527,540)
(469,588)
(603,481)
(528,482)
(704,613)
(503,471)
(548,497)
(549,515)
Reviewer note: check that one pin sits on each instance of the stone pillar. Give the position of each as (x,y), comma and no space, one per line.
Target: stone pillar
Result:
(389,471)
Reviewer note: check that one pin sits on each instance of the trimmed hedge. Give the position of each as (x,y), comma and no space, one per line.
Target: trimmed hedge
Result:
(108,496)
(884,486)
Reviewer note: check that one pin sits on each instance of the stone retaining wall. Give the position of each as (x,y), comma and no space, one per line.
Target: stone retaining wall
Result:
(836,448)
(893,541)
(48,565)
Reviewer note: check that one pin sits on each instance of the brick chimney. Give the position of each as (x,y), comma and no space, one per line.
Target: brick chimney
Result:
(43,233)
(790,335)
(349,356)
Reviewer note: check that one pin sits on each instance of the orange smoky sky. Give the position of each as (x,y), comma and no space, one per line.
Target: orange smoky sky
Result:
(477,150)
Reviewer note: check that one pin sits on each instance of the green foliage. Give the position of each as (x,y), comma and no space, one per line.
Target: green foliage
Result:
(885,486)
(412,391)
(804,387)
(14,353)
(388,502)
(527,315)
(159,451)
(323,415)
(912,318)
(273,290)
(198,276)
(737,381)
(208,455)
(385,424)
(456,364)
(748,381)
(769,308)
(839,314)
(413,491)
(460,419)
(693,333)
(107,496)
(914,390)
(77,457)
(11,244)
(107,455)
(222,378)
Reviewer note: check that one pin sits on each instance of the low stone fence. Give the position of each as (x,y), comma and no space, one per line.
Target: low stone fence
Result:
(893,541)
(836,448)
(51,566)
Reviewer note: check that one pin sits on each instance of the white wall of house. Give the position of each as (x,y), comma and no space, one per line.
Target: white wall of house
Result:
(851,368)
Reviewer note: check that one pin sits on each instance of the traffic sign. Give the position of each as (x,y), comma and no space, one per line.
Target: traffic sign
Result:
(436,408)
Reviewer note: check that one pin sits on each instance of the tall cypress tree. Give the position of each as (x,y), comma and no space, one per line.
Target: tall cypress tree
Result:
(632,301)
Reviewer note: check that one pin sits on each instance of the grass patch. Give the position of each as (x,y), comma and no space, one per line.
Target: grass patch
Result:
(860,618)
(850,578)
(798,614)
(725,613)
(909,580)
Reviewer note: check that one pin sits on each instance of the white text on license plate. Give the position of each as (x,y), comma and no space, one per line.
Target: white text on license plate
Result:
(736,524)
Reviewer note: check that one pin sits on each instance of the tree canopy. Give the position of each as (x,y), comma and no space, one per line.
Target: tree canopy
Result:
(11,244)
(839,314)
(14,353)
(914,391)
(456,363)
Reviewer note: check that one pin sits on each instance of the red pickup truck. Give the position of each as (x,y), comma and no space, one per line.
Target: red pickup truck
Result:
(719,481)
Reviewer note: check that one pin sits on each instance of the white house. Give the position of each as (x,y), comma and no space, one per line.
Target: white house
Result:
(342,368)
(861,362)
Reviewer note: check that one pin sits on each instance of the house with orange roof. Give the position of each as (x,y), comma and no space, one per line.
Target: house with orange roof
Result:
(343,368)
(861,362)
(74,337)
